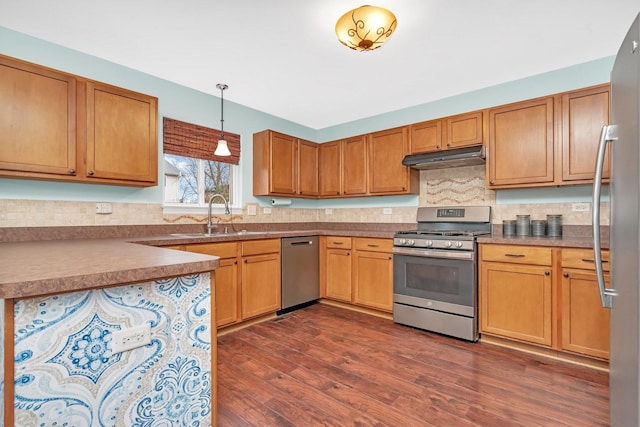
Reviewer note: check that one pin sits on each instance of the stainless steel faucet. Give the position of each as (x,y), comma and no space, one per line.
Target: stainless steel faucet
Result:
(210,225)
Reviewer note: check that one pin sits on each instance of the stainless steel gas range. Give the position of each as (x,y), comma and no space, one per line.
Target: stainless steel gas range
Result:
(435,274)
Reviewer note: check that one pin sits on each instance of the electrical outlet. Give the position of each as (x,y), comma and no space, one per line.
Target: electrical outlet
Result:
(266,211)
(130,338)
(387,211)
(103,208)
(252,210)
(328,211)
(581,207)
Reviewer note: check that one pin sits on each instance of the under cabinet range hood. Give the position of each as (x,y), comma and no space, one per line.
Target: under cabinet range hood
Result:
(458,157)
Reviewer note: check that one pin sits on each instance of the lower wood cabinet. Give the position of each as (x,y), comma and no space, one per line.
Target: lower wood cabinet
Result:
(585,323)
(247,282)
(358,271)
(543,296)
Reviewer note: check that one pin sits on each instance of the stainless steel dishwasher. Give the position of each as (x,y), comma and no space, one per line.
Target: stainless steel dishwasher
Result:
(300,272)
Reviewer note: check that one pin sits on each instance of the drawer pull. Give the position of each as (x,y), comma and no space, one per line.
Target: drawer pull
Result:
(372,245)
(566,274)
(338,243)
(546,273)
(514,255)
(592,260)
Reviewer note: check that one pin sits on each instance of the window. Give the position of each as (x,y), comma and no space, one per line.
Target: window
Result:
(190,181)
(192,173)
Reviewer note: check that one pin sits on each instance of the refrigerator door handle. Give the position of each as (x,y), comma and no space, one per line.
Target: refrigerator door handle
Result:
(608,134)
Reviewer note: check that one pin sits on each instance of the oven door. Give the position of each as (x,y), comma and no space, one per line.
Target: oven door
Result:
(435,279)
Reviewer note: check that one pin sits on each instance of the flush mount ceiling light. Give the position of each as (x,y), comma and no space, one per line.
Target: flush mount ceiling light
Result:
(222,149)
(366,27)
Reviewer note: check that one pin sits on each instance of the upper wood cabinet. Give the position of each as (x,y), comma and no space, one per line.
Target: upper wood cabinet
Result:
(57,126)
(547,141)
(386,172)
(354,166)
(38,120)
(463,130)
(521,143)
(584,112)
(308,162)
(330,168)
(284,165)
(121,134)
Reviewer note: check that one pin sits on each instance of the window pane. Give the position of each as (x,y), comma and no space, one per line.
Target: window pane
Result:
(180,179)
(216,179)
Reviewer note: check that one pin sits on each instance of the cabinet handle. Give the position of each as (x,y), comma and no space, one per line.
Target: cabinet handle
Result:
(338,243)
(235,262)
(592,260)
(338,193)
(491,182)
(437,147)
(72,171)
(371,245)
(390,258)
(404,188)
(348,253)
(449,145)
(514,255)
(91,173)
(546,273)
(566,274)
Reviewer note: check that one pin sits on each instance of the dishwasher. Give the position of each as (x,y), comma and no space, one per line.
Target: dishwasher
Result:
(300,260)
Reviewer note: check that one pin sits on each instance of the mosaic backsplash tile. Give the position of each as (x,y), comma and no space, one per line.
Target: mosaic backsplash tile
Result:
(66,373)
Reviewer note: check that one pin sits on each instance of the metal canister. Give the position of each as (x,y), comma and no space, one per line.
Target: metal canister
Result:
(538,227)
(523,225)
(554,225)
(509,227)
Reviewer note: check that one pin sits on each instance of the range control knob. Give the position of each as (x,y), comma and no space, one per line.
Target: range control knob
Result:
(458,244)
(411,242)
(402,242)
(429,243)
(447,244)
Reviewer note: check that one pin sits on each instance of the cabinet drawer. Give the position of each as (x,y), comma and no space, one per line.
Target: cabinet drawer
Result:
(373,245)
(516,254)
(583,259)
(222,250)
(336,242)
(257,247)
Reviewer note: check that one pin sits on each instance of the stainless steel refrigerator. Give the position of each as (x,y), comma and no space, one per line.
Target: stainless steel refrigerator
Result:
(623,298)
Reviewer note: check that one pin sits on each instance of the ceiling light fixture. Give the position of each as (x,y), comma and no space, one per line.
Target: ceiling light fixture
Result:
(366,27)
(222,149)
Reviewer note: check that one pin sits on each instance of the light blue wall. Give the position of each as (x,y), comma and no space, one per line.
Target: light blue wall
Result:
(182,103)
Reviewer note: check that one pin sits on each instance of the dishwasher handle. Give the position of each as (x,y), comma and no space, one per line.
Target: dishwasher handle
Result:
(304,243)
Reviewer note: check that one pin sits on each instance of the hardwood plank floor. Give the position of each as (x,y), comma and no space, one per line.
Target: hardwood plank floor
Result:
(329,366)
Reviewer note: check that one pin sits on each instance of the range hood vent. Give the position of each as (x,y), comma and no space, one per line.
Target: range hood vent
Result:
(446,159)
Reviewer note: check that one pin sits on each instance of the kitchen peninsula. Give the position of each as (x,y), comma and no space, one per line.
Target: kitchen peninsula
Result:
(63,302)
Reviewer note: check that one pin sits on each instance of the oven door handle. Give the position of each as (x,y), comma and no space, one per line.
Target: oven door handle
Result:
(429,253)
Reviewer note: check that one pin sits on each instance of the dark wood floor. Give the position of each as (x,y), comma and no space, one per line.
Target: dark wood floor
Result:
(334,367)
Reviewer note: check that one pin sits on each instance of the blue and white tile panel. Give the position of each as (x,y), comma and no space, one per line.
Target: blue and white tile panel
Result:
(66,373)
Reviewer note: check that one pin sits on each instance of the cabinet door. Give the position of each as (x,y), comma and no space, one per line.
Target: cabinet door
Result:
(521,144)
(226,289)
(37,121)
(122,135)
(355,166)
(387,174)
(307,168)
(583,115)
(260,285)
(283,164)
(464,130)
(515,301)
(426,136)
(585,323)
(373,280)
(338,274)
(330,168)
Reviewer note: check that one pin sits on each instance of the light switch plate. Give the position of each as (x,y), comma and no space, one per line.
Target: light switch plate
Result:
(387,211)
(581,207)
(252,210)
(328,211)
(104,208)
(266,211)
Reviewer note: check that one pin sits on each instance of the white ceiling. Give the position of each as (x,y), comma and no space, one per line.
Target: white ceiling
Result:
(282,56)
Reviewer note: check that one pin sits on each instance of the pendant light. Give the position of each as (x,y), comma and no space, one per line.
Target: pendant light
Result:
(222,149)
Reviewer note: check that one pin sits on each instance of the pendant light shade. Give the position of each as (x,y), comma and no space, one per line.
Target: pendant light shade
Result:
(365,28)
(222,149)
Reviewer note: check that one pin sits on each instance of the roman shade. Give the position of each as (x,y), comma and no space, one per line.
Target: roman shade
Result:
(189,140)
